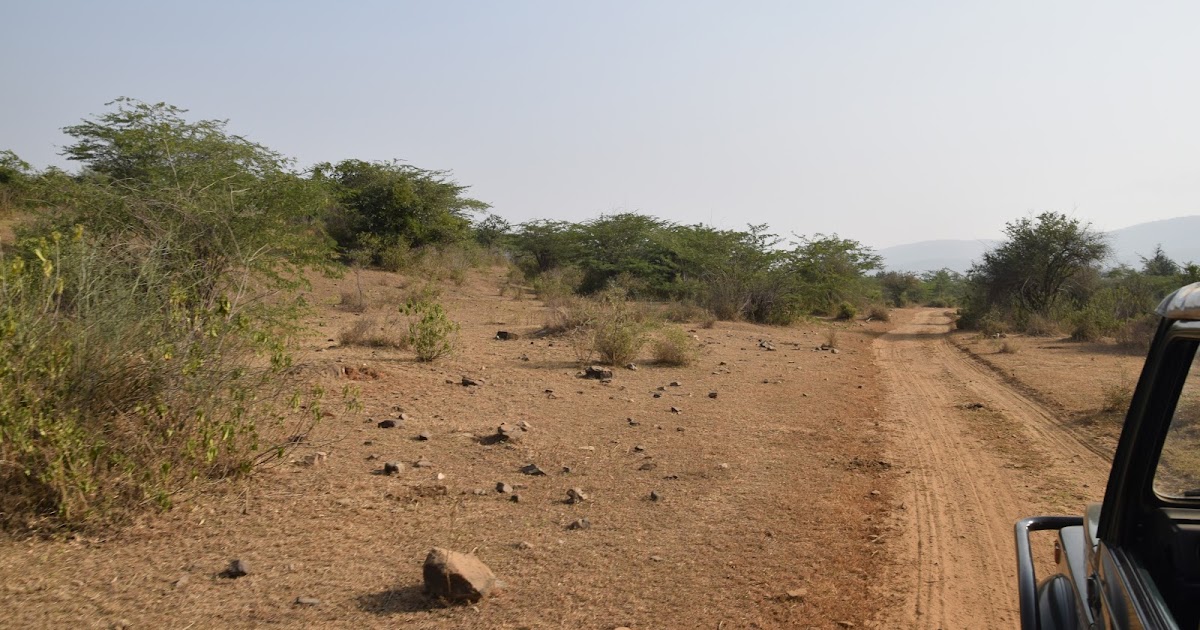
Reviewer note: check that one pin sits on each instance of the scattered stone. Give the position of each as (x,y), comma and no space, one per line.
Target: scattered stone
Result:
(516,498)
(638,448)
(182,581)
(796,593)
(314,459)
(587,448)
(656,558)
(657,395)
(676,384)
(835,351)
(676,410)
(387,424)
(580,523)
(479,492)
(503,488)
(566,470)
(875,493)
(846,624)
(372,457)
(723,466)
(440,476)
(236,569)
(974,405)
(467,381)
(524,426)
(712,394)
(575,495)
(766,345)
(525,545)
(424,436)
(654,495)
(403,416)
(457,576)
(631,366)
(632,422)
(432,490)
(368,442)
(648,466)
(504,335)
(596,372)
(363,373)
(532,469)
(423,463)
(524,357)
(307,601)
(391,468)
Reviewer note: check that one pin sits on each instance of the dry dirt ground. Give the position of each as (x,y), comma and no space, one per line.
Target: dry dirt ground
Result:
(878,485)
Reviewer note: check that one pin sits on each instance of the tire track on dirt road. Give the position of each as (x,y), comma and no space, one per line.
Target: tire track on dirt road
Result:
(962,491)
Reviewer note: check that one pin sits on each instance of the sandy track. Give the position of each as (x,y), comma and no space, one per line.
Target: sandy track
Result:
(970,472)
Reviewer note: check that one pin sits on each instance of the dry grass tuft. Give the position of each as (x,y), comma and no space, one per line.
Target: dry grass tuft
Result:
(675,347)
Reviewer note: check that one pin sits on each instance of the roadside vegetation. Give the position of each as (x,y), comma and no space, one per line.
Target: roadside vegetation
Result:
(1048,278)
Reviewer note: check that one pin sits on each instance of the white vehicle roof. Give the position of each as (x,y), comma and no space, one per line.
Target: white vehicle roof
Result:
(1184,303)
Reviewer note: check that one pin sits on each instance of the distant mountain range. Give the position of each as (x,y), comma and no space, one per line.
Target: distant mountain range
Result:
(1180,239)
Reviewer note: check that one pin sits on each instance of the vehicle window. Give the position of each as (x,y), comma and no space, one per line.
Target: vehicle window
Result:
(1178,473)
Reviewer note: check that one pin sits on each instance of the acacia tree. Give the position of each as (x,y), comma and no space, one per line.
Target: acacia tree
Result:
(1037,262)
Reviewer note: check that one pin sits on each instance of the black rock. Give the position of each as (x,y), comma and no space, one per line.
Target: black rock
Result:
(387,424)
(236,569)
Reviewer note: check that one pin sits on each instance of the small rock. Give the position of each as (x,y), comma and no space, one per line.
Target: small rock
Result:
(182,581)
(566,470)
(656,558)
(307,601)
(391,468)
(441,476)
(479,492)
(314,459)
(657,395)
(875,493)
(654,495)
(504,335)
(467,381)
(631,367)
(676,384)
(580,523)
(632,422)
(422,463)
(387,424)
(525,545)
(575,495)
(524,426)
(712,394)
(835,351)
(846,624)
(797,593)
(676,410)
(723,466)
(503,488)
(638,448)
(424,436)
(516,498)
(532,469)
(457,576)
(648,466)
(236,569)
(596,372)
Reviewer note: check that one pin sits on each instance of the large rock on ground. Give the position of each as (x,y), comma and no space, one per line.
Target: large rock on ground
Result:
(457,577)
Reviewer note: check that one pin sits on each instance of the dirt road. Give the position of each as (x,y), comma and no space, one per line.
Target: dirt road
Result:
(976,456)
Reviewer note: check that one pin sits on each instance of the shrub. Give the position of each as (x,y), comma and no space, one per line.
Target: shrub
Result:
(1115,397)
(675,347)
(880,313)
(1134,335)
(846,310)
(680,312)
(353,301)
(1039,325)
(618,340)
(570,313)
(1008,347)
(431,333)
(116,391)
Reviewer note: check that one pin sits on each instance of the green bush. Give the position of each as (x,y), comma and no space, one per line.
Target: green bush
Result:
(846,310)
(675,347)
(116,390)
(431,333)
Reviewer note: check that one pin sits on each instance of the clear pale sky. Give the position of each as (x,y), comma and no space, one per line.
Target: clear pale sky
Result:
(886,122)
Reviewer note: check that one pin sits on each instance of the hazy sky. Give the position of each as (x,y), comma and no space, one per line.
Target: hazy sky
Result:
(887,122)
